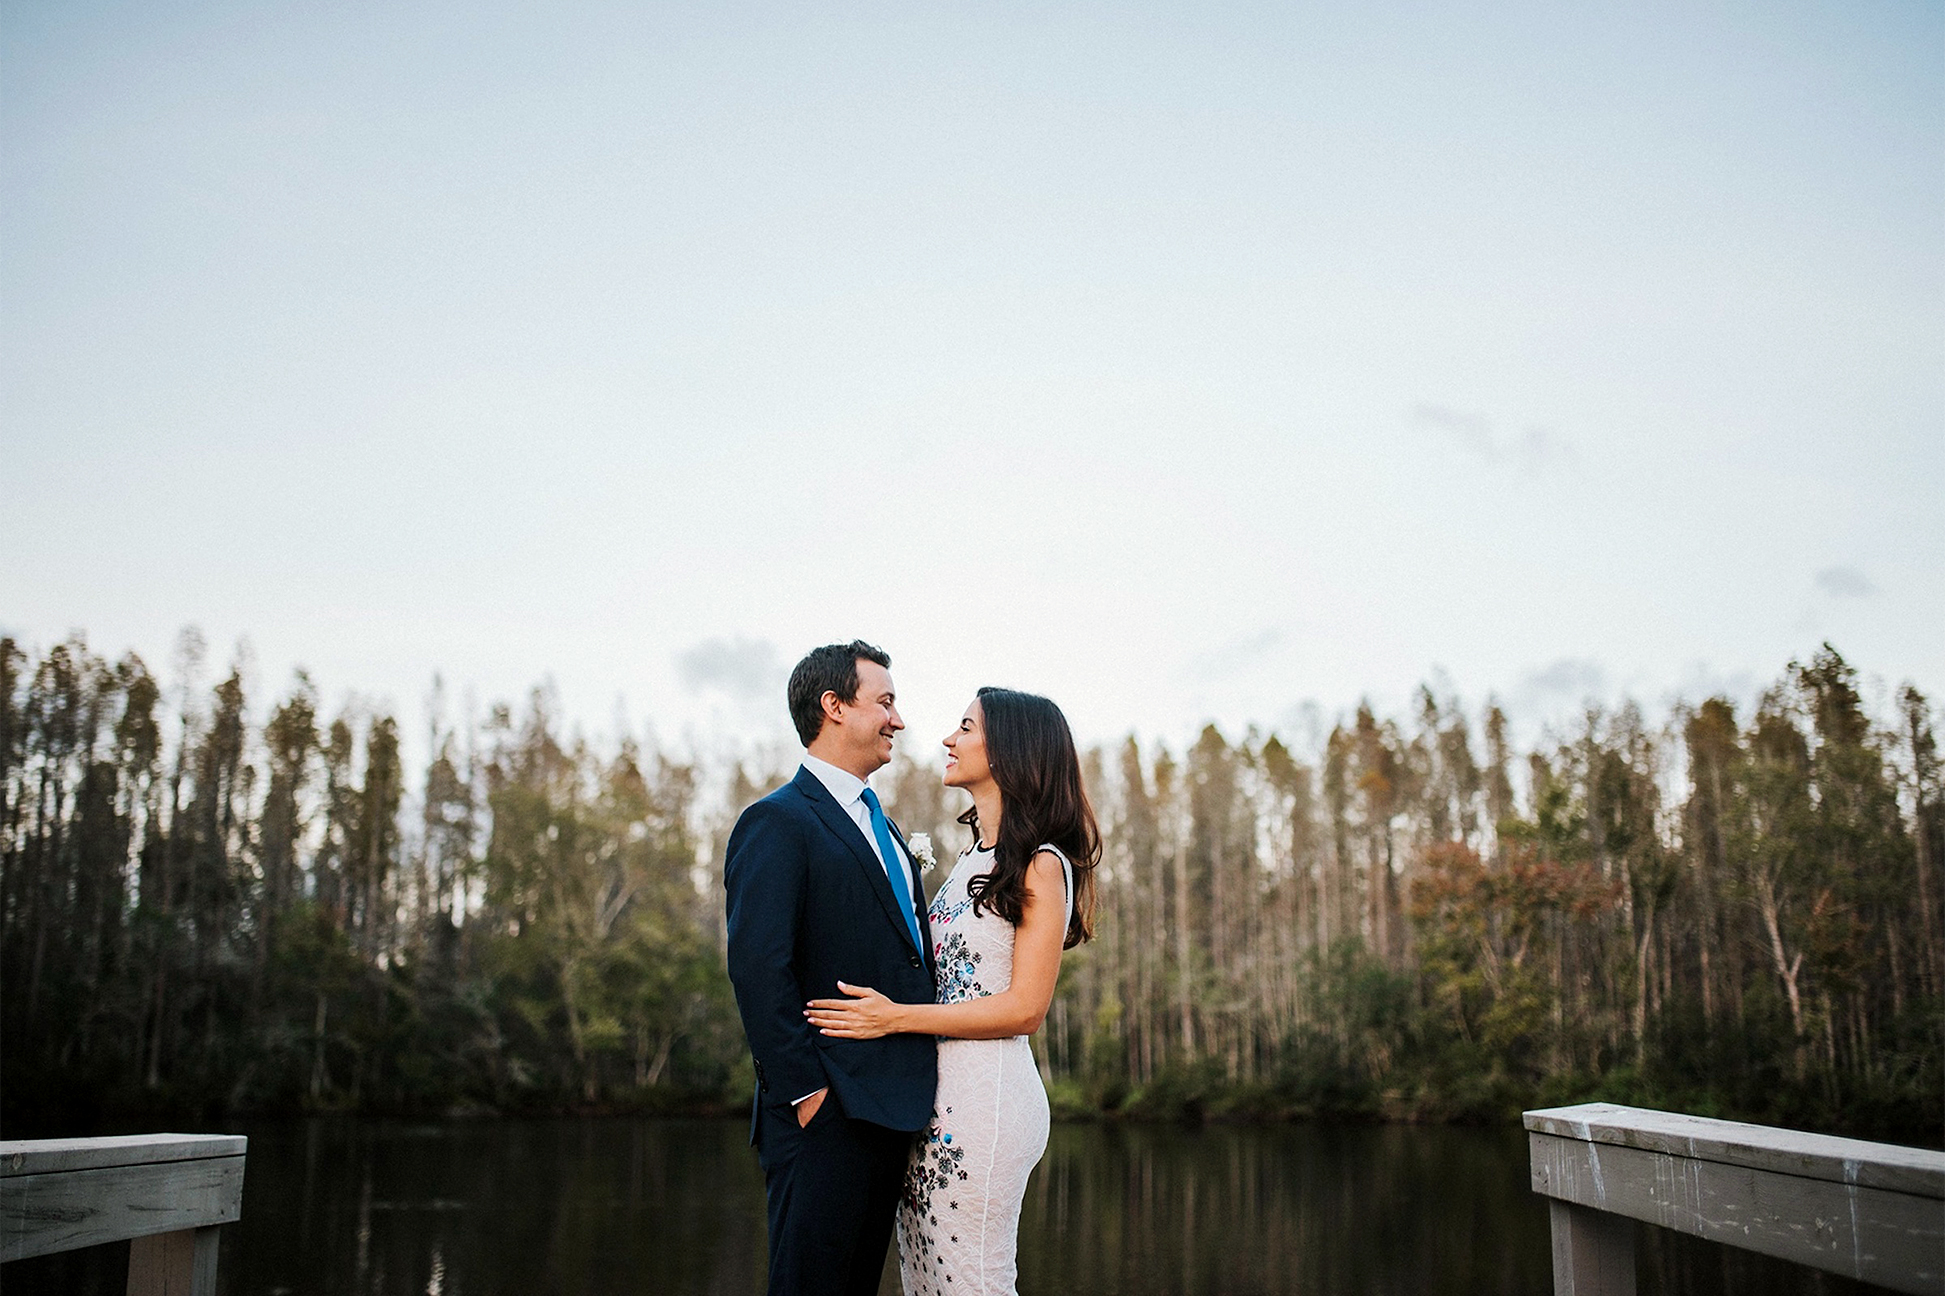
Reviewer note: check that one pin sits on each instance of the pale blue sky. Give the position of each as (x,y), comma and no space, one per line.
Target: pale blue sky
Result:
(1184,363)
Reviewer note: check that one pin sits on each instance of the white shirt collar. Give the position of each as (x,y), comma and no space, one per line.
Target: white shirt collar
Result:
(844,786)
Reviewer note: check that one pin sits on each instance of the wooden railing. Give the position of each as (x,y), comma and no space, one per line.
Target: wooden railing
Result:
(1870,1211)
(165,1194)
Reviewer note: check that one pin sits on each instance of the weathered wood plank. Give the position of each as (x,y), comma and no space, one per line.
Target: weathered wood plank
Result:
(173,1264)
(1593,1252)
(58,1211)
(1894,1239)
(46,1156)
(1760,1147)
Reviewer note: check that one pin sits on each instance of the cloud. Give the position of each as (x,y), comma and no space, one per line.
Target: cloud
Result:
(1701,680)
(1475,434)
(1572,679)
(1239,655)
(1531,450)
(745,669)
(1845,582)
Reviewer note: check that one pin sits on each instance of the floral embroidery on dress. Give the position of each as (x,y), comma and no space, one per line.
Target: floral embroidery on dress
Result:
(951,911)
(942,912)
(935,1168)
(958,970)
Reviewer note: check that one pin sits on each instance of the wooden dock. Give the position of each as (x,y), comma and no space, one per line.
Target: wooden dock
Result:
(165,1194)
(1870,1211)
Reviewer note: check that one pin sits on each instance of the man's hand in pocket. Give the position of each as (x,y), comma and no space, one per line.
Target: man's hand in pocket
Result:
(808,1107)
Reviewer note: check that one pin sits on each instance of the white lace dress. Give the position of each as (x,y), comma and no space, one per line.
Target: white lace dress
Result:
(959,1219)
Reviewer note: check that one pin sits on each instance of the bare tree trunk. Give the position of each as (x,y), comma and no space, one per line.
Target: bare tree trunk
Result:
(1184,983)
(1396,937)
(1786,968)
(1705,887)
(1896,968)
(1374,900)
(1829,1043)
(1562,1055)
(1153,1046)
(1932,980)
(648,1073)
(320,1078)
(1643,952)
(574,1032)
(154,1077)
(37,888)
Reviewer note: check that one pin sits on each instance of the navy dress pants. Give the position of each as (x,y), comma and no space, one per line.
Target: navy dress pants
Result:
(833,1190)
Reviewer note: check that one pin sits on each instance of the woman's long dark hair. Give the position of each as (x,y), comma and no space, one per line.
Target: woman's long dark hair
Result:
(1032,756)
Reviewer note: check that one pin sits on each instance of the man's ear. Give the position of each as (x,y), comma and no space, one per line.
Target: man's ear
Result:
(833,706)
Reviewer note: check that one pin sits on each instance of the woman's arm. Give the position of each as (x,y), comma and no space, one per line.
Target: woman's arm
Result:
(1017,1010)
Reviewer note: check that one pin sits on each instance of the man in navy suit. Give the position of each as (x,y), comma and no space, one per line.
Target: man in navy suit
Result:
(822,889)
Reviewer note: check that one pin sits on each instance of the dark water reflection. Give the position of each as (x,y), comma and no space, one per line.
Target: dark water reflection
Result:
(604,1207)
(1298,1208)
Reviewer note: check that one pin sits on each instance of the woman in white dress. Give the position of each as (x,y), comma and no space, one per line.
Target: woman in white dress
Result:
(1018,896)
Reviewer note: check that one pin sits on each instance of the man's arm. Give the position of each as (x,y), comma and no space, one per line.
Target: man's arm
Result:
(765,872)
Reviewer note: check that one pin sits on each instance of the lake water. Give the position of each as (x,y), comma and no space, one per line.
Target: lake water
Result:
(601,1207)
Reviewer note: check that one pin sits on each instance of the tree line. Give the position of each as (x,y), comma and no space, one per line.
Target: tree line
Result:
(1723,913)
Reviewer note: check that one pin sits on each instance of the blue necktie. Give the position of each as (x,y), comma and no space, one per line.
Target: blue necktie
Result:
(894,866)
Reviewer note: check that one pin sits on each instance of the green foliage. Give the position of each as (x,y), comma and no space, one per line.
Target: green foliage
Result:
(193,937)
(1727,917)
(1712,917)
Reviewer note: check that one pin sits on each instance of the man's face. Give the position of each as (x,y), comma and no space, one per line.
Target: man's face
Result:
(867,724)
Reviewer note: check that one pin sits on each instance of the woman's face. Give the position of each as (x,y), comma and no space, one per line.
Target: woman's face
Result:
(965,751)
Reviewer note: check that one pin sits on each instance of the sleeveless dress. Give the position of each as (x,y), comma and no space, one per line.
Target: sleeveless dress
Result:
(959,1217)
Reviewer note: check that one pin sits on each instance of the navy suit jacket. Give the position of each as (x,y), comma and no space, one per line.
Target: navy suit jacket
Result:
(810,905)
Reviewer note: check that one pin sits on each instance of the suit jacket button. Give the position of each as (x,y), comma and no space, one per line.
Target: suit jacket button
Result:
(915,961)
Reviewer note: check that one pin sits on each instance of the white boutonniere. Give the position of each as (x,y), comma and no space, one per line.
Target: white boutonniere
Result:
(920,844)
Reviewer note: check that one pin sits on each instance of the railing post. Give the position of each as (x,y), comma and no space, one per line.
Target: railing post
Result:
(182,1263)
(1593,1252)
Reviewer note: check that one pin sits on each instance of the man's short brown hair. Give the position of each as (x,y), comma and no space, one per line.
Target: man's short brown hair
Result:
(830,669)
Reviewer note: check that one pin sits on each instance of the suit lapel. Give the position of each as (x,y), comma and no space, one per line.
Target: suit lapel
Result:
(845,830)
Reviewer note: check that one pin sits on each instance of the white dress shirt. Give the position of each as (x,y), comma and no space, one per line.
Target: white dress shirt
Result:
(847,789)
